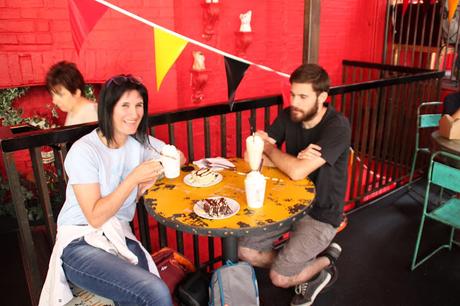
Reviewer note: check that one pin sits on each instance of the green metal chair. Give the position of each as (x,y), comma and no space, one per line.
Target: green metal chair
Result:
(423,121)
(447,212)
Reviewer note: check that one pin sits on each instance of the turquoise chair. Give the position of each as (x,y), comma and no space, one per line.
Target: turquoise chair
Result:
(448,212)
(423,121)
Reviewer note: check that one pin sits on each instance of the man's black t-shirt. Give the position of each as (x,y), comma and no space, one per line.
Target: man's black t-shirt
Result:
(333,135)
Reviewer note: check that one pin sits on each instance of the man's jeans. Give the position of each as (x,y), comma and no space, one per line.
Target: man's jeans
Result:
(107,275)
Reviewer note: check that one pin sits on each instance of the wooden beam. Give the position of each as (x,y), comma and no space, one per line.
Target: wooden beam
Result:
(312,11)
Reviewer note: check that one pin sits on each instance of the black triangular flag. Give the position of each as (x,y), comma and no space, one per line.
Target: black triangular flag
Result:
(235,71)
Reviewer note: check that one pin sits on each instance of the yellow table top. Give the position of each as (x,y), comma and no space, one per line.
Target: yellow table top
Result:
(170,201)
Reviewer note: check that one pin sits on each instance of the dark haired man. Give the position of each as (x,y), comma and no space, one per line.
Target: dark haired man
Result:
(317,142)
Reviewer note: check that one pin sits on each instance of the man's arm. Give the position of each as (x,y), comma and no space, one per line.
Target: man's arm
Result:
(295,168)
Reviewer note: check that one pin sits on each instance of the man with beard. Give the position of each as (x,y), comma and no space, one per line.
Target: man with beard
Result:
(317,139)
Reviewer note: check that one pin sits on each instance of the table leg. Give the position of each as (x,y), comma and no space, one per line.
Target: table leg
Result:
(229,249)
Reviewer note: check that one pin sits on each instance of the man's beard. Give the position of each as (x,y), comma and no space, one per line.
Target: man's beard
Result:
(306,116)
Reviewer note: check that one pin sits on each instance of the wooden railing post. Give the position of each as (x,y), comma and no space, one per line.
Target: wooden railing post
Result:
(26,243)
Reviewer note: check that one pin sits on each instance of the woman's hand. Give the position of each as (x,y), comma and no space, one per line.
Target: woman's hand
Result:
(143,187)
(146,172)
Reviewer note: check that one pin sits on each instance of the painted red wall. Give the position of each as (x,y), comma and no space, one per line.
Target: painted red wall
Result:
(350,29)
(34,34)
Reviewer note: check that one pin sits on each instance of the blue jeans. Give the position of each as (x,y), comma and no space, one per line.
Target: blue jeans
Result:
(107,275)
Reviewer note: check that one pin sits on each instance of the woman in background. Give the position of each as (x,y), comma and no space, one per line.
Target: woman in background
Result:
(108,170)
(66,85)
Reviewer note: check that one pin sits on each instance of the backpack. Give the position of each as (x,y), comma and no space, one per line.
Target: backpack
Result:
(193,290)
(234,284)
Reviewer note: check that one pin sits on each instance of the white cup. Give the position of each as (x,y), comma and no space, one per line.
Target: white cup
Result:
(255,150)
(170,160)
(254,185)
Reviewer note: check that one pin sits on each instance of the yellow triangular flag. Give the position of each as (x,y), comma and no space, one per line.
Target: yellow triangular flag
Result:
(167,49)
(452,7)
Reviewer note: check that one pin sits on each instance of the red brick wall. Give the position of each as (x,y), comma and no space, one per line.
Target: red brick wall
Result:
(36,33)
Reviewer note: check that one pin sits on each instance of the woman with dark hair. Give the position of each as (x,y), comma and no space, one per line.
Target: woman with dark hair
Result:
(66,85)
(108,170)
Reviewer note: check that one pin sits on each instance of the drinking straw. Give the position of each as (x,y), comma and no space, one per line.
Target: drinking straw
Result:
(261,163)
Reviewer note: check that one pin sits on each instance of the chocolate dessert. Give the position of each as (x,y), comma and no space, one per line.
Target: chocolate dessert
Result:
(216,207)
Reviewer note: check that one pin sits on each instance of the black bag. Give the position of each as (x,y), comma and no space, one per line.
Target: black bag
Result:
(193,290)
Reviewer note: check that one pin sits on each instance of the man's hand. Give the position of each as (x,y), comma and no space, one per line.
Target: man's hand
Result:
(269,143)
(265,137)
(311,152)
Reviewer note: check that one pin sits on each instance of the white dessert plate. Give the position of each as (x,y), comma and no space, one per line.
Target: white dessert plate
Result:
(189,181)
(232,204)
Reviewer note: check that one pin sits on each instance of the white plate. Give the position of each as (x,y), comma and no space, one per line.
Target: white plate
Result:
(233,205)
(188,180)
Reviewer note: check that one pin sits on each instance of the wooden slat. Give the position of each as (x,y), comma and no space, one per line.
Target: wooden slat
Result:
(211,252)
(223,135)
(34,280)
(266,118)
(162,235)
(43,192)
(144,228)
(180,241)
(382,103)
(191,152)
(238,135)
(171,134)
(196,250)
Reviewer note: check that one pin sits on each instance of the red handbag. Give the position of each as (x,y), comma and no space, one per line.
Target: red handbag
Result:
(173,267)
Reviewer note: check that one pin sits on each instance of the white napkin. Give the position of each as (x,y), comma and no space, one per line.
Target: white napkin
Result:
(214,163)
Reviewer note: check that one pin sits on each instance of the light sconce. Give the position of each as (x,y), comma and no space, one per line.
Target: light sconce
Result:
(244,35)
(199,76)
(211,11)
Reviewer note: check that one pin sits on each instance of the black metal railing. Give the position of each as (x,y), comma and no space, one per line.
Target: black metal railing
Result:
(380,103)
(419,34)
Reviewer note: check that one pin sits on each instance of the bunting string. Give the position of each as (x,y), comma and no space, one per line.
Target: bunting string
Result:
(195,42)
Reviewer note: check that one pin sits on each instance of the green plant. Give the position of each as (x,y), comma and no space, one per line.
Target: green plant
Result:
(89,92)
(9,115)
(7,208)
(28,190)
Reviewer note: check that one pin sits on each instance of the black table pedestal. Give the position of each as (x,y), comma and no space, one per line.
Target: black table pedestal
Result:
(229,249)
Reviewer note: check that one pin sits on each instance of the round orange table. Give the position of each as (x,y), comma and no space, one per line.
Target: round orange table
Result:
(170,202)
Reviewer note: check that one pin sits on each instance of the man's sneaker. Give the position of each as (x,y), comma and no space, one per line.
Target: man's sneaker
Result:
(334,272)
(307,292)
(332,252)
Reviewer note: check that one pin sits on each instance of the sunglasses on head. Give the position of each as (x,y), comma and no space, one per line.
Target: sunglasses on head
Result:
(122,79)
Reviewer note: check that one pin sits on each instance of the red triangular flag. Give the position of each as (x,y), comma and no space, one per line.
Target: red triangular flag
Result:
(83,15)
(235,71)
